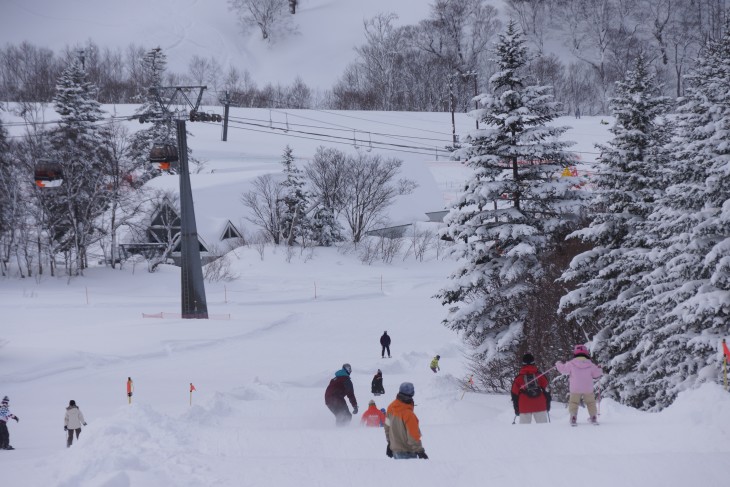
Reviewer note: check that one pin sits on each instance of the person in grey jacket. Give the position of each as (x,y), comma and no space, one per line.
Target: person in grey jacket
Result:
(73,421)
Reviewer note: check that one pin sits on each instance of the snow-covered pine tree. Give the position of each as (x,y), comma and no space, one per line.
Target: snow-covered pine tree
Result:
(628,181)
(160,130)
(294,220)
(76,143)
(510,211)
(686,315)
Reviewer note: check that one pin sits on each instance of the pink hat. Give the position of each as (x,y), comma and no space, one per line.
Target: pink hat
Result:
(581,350)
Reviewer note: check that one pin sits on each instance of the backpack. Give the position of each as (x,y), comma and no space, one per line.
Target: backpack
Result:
(532,388)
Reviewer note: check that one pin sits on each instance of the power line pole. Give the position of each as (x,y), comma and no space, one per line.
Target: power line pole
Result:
(227,104)
(451,107)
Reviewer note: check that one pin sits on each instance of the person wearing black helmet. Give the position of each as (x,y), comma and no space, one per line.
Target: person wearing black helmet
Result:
(5,416)
(334,397)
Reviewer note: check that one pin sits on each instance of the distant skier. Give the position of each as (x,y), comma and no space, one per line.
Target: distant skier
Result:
(401,426)
(334,397)
(435,364)
(581,372)
(5,416)
(385,344)
(577,112)
(530,397)
(377,385)
(72,422)
(372,416)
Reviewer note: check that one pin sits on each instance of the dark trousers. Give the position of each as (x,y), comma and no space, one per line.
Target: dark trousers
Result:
(70,440)
(4,435)
(385,347)
(341,411)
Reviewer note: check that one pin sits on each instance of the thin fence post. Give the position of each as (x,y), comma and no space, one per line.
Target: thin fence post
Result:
(87,294)
(225,294)
(315,289)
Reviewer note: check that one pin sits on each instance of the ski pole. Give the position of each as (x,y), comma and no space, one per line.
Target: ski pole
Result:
(536,378)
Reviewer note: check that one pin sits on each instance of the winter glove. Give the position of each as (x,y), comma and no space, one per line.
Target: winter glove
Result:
(388,451)
(84,424)
(354,410)
(422,454)
(17,419)
(65,428)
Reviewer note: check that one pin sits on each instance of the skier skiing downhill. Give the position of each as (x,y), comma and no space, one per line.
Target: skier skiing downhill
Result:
(581,372)
(376,386)
(401,426)
(334,397)
(373,416)
(529,393)
(5,416)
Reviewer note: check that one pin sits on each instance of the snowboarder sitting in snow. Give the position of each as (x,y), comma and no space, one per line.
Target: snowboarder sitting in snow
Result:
(334,397)
(529,393)
(372,416)
(581,372)
(435,364)
(401,426)
(5,416)
(385,344)
(72,422)
(377,385)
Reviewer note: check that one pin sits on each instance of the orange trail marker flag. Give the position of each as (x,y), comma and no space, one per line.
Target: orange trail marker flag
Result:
(130,389)
(725,360)
(192,388)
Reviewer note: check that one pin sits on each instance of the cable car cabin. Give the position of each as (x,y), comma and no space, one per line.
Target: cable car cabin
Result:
(48,175)
(163,156)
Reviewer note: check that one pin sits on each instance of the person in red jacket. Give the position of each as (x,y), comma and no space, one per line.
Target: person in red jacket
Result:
(372,416)
(530,396)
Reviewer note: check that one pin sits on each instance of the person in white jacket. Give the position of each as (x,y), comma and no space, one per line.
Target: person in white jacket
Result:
(73,421)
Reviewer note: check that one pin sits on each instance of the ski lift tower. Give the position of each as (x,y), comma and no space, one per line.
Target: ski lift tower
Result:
(179,103)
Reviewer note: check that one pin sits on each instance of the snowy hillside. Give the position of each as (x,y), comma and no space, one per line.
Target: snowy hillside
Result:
(258,417)
(328,32)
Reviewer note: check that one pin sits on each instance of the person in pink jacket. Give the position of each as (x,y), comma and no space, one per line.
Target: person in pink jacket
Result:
(581,372)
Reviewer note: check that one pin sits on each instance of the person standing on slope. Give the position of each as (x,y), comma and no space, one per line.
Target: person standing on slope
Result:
(372,416)
(401,426)
(581,372)
(385,344)
(435,364)
(376,387)
(72,422)
(529,393)
(334,397)
(5,416)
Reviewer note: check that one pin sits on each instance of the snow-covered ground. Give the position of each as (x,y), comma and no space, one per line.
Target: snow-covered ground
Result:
(258,416)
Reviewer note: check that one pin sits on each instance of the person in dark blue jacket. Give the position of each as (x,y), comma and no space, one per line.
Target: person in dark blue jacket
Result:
(334,397)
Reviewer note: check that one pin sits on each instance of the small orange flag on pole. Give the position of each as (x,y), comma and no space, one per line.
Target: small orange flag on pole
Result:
(725,358)
(192,388)
(130,389)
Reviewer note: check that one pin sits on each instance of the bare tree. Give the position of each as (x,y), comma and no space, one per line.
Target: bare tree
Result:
(370,187)
(327,174)
(270,16)
(265,202)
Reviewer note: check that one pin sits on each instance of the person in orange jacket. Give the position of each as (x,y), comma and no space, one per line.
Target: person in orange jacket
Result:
(401,426)
(372,416)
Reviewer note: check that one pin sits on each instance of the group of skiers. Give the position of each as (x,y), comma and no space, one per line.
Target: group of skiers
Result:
(531,395)
(72,422)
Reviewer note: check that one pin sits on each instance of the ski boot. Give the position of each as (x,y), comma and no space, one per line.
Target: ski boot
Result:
(573,421)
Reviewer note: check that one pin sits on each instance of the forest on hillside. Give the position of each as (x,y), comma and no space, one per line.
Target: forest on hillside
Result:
(580,47)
